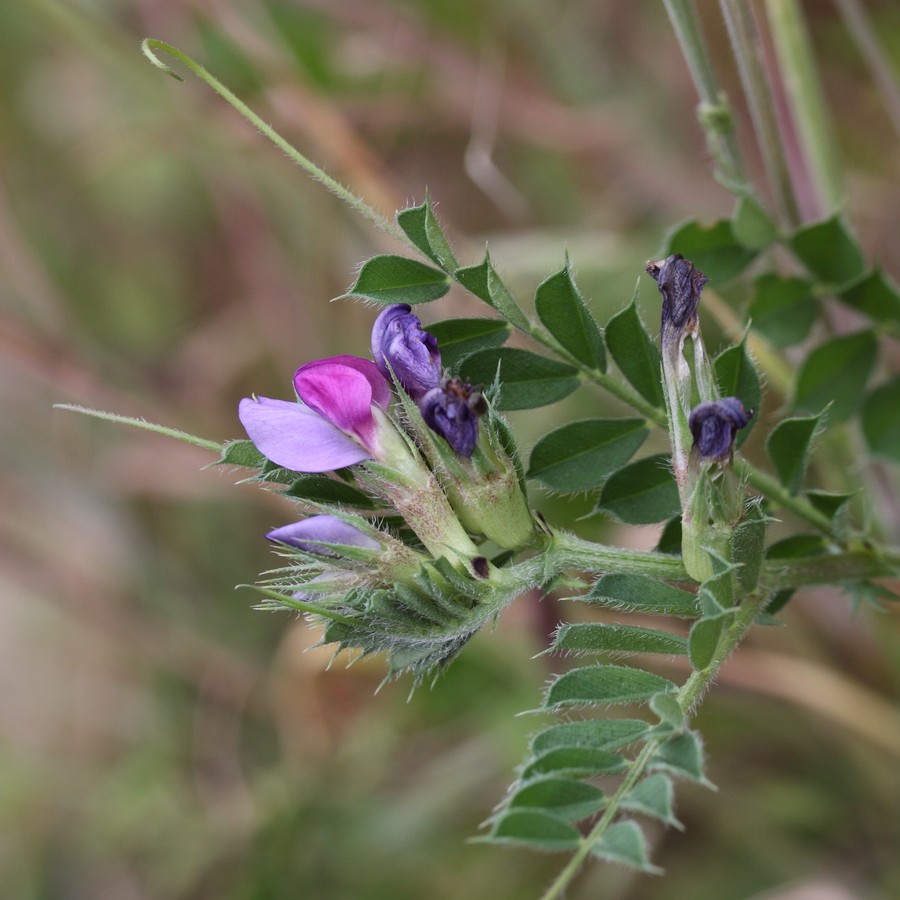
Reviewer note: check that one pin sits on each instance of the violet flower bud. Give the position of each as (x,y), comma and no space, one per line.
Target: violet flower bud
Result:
(311,534)
(680,285)
(399,343)
(715,424)
(452,410)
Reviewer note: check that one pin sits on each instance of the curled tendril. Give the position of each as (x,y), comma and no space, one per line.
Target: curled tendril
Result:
(147,47)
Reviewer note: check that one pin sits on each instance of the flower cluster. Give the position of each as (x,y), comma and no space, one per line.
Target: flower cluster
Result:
(418,460)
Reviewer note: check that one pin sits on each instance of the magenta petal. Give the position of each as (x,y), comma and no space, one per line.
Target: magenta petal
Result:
(328,529)
(381,390)
(296,437)
(342,394)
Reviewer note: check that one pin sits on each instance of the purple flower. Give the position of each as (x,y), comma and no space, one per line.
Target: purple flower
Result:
(715,424)
(680,285)
(400,344)
(309,535)
(452,410)
(333,423)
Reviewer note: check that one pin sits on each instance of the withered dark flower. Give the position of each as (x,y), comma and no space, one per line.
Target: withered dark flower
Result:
(452,410)
(680,284)
(715,424)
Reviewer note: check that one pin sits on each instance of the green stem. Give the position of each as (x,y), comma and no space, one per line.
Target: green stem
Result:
(182,436)
(688,697)
(352,200)
(746,46)
(567,551)
(624,392)
(714,112)
(873,55)
(832,568)
(804,94)
(770,488)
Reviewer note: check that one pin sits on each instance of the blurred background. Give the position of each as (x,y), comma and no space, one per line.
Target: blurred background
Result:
(158,258)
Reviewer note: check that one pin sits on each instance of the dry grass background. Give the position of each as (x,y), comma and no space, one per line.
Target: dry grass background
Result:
(158,738)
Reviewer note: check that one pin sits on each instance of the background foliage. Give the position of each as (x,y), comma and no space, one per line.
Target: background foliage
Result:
(160,739)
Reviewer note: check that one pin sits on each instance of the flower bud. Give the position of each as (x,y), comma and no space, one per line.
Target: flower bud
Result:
(313,535)
(400,345)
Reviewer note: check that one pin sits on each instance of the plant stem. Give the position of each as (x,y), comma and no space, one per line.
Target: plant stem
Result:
(352,200)
(773,490)
(804,94)
(713,112)
(568,551)
(883,73)
(747,49)
(688,697)
(828,568)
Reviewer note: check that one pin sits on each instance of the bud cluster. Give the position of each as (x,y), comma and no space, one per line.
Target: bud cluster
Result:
(702,435)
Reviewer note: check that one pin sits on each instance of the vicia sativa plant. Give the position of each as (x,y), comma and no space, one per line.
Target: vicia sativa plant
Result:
(414,517)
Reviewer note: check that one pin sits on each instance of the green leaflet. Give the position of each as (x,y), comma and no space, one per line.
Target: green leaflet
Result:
(484,282)
(642,492)
(880,420)
(634,352)
(563,312)
(564,798)
(788,447)
(682,756)
(580,455)
(625,843)
(829,251)
(669,711)
(654,797)
(584,637)
(397,279)
(737,377)
(835,375)
(640,593)
(527,380)
(751,226)
(704,638)
(604,685)
(535,828)
(458,338)
(603,734)
(422,228)
(241,453)
(783,309)
(322,489)
(748,541)
(583,762)
(875,295)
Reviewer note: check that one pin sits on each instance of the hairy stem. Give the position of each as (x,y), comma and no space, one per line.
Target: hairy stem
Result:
(182,436)
(567,551)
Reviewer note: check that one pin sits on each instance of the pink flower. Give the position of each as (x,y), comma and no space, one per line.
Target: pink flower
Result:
(332,425)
